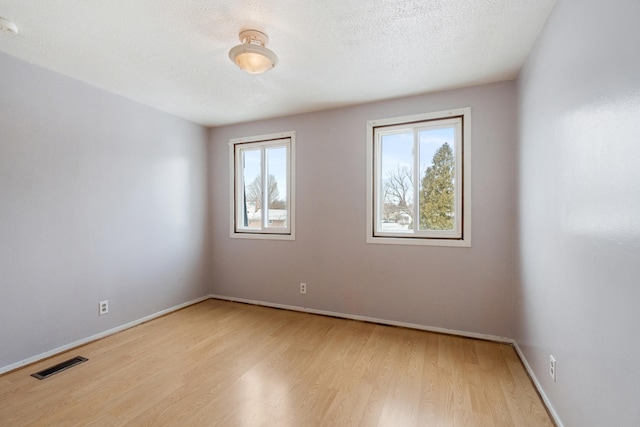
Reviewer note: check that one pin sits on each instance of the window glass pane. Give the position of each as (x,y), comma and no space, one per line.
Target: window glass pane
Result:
(251,177)
(437,179)
(277,187)
(418,179)
(396,174)
(263,186)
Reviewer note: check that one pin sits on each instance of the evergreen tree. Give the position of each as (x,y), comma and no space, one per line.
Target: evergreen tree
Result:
(437,192)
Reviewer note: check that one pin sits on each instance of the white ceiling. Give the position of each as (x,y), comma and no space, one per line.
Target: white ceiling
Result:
(173,54)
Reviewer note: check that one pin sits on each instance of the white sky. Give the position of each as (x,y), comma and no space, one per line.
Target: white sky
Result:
(398,149)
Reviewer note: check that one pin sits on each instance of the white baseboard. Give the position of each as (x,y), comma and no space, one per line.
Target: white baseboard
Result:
(95,337)
(533,377)
(370,319)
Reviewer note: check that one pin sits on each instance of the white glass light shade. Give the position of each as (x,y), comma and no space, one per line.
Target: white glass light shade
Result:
(253,58)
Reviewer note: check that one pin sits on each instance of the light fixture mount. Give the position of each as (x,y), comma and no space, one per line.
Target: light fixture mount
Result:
(254,37)
(252,55)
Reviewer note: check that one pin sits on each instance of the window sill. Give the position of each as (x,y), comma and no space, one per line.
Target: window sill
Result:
(413,241)
(262,236)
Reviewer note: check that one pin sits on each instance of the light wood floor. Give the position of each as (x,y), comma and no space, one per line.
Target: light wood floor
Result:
(219,363)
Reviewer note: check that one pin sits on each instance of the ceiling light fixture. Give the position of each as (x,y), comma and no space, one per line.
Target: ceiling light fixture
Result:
(8,26)
(252,56)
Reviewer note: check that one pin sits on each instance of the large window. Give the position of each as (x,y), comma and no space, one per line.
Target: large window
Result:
(262,181)
(418,170)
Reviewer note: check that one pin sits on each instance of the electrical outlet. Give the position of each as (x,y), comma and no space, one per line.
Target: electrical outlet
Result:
(303,288)
(103,307)
(552,367)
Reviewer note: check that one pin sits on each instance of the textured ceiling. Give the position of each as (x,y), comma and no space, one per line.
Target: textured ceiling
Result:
(173,54)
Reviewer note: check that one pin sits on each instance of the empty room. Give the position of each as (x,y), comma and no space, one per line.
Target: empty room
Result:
(320,213)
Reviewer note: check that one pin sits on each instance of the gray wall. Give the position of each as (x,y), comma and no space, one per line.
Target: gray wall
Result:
(465,289)
(579,210)
(100,198)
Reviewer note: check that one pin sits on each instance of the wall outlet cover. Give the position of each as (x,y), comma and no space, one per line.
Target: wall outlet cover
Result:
(103,307)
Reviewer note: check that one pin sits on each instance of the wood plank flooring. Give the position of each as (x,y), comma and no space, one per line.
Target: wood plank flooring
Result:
(219,363)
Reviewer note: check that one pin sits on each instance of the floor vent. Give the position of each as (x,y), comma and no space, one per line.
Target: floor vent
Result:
(46,373)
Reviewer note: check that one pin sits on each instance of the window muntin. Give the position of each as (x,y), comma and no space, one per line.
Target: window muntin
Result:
(418,186)
(262,186)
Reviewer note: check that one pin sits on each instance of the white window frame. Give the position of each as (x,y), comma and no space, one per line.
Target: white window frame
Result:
(462,150)
(236,194)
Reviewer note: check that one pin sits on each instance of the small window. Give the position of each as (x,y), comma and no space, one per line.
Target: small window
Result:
(418,171)
(262,186)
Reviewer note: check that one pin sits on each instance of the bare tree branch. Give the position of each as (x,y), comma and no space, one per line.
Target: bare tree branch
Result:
(254,193)
(398,192)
